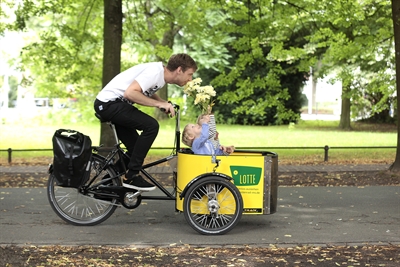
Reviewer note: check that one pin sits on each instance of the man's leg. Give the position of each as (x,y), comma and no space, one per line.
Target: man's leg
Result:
(138,145)
(128,121)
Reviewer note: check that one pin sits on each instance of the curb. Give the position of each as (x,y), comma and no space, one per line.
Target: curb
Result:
(282,168)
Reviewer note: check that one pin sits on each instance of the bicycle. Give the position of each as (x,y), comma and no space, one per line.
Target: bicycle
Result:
(211,202)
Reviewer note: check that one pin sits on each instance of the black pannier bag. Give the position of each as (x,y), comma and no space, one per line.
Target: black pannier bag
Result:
(72,151)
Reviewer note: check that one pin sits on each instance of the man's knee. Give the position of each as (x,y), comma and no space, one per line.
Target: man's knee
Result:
(153,126)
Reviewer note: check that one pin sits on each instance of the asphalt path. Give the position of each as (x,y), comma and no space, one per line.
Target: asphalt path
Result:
(305,216)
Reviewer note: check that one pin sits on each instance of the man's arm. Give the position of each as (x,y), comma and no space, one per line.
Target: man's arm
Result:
(158,98)
(135,94)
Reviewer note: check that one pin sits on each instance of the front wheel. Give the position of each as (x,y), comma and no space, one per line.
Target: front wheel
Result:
(213,205)
(78,208)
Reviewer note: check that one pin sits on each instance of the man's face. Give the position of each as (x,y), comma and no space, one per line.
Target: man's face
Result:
(184,77)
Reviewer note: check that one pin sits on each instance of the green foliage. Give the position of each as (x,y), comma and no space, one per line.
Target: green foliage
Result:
(256,54)
(6,16)
(357,36)
(262,84)
(65,57)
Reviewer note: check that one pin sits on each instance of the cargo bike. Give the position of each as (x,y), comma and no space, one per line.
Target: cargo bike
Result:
(211,191)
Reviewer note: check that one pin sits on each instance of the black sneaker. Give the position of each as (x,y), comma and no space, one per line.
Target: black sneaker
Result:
(137,182)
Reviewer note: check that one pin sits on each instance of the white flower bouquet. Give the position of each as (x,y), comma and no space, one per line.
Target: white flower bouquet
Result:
(203,95)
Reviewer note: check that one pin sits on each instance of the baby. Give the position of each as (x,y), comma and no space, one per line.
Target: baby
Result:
(198,137)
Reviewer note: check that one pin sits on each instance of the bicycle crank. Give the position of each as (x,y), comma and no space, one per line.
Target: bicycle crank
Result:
(132,200)
(129,198)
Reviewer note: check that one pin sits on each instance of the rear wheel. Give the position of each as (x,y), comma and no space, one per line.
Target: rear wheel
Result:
(213,205)
(78,208)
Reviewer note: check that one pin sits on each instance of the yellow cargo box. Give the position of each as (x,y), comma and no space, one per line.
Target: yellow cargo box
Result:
(254,173)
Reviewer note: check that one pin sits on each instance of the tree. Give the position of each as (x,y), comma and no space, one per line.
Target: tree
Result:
(162,27)
(357,35)
(346,103)
(286,37)
(64,57)
(268,50)
(64,53)
(111,54)
(395,167)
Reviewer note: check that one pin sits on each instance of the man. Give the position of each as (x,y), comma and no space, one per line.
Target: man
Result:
(138,86)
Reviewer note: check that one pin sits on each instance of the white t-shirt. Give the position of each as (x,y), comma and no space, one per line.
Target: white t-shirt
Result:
(150,77)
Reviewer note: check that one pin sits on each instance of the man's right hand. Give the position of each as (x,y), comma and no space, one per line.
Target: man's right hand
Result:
(168,108)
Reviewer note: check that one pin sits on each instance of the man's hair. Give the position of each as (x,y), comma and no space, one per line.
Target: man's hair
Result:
(186,137)
(181,60)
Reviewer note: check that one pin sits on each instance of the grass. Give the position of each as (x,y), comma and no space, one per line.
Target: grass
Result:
(308,138)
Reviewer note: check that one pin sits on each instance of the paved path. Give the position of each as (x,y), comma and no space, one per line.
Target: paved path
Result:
(305,216)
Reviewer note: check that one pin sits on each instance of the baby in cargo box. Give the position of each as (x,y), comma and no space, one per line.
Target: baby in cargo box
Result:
(203,137)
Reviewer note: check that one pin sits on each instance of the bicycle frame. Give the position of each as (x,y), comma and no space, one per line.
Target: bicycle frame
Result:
(168,195)
(118,150)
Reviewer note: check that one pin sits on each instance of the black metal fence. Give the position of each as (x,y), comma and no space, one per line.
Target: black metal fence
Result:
(325,149)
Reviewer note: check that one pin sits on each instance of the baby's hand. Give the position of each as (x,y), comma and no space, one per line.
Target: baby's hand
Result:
(204,119)
(216,136)
(228,149)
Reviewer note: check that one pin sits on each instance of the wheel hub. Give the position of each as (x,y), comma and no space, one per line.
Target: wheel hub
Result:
(213,206)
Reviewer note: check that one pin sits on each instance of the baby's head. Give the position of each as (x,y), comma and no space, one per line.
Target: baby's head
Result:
(190,132)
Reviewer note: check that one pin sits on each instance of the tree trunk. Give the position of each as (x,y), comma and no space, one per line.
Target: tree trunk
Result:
(314,106)
(345,115)
(4,91)
(395,167)
(111,54)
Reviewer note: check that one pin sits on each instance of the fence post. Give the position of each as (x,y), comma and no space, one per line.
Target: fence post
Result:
(326,148)
(9,155)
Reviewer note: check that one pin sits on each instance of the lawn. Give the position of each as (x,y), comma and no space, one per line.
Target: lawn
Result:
(303,141)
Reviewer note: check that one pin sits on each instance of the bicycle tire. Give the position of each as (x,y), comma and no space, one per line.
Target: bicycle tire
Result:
(213,206)
(78,209)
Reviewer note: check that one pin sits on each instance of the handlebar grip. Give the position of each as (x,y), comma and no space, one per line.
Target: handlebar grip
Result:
(175,106)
